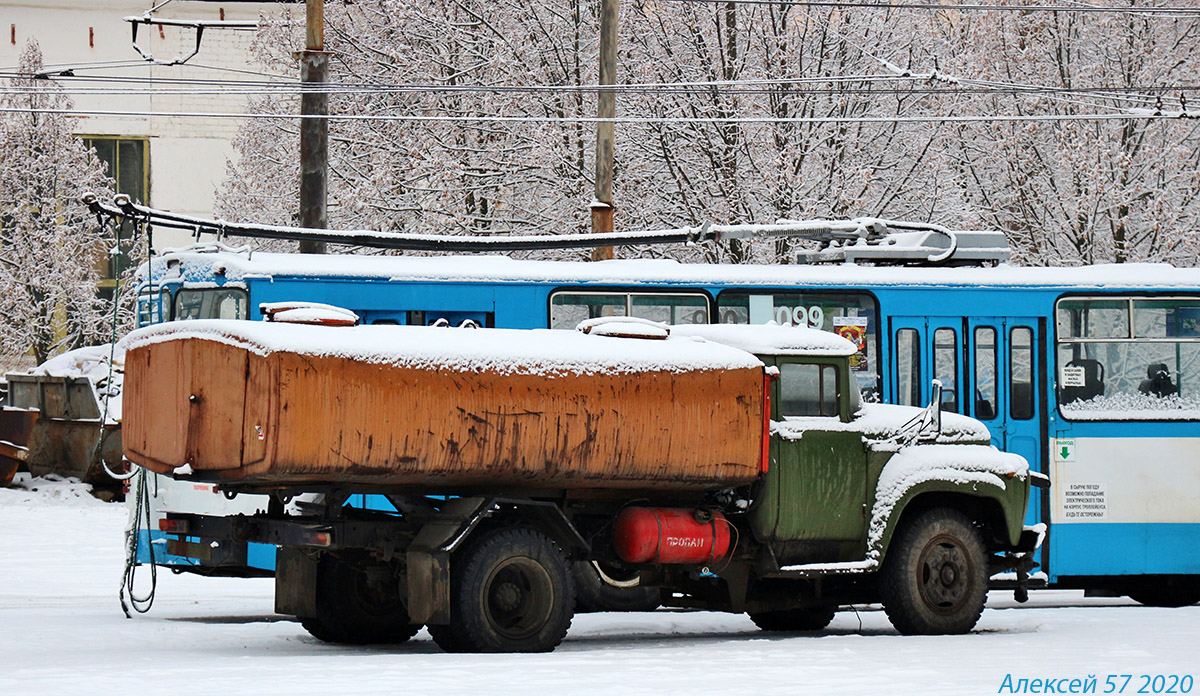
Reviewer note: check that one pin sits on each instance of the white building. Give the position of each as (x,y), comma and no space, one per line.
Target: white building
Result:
(173,163)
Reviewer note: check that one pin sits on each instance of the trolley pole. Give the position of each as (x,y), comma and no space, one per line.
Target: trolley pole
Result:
(606,109)
(314,132)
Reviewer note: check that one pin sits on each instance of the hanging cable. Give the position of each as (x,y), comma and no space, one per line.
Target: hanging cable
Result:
(141,490)
(141,511)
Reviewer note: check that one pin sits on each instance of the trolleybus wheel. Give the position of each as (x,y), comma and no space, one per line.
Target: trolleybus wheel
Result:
(1168,591)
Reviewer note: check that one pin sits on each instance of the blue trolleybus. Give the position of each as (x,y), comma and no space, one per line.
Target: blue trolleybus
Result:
(1091,373)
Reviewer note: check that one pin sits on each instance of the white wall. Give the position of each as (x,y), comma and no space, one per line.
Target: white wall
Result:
(187,155)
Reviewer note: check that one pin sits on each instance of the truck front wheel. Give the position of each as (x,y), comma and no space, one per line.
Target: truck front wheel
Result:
(510,591)
(358,605)
(934,578)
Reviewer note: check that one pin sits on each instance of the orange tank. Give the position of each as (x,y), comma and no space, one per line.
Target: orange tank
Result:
(275,404)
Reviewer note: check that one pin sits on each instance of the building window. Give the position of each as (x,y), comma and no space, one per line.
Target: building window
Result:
(127,162)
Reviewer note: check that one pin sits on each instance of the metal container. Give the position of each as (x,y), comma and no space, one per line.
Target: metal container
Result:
(66,437)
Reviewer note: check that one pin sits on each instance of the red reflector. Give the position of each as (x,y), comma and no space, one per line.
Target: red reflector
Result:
(173,526)
(319,538)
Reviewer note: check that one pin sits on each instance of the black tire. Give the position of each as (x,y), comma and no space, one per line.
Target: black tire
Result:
(593,594)
(1169,591)
(795,620)
(445,639)
(510,591)
(934,577)
(358,606)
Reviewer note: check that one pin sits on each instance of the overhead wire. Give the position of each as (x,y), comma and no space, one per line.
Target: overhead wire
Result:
(1167,11)
(1141,114)
(962,86)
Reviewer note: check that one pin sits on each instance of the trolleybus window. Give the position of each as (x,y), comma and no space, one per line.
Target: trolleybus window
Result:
(908,367)
(945,366)
(212,303)
(567,309)
(853,315)
(985,373)
(1133,358)
(1020,373)
(153,307)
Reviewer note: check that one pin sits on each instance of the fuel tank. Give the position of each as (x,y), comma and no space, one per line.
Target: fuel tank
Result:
(670,535)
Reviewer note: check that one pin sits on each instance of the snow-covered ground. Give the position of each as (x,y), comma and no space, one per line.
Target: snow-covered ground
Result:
(62,632)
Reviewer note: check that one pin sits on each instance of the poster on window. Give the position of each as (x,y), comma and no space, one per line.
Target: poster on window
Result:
(854,329)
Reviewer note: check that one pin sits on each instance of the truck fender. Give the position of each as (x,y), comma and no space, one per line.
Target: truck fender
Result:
(428,557)
(985,496)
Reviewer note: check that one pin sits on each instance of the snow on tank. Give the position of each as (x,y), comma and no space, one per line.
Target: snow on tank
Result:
(506,351)
(770,339)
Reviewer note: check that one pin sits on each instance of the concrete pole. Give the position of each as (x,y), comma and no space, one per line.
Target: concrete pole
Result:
(314,132)
(602,206)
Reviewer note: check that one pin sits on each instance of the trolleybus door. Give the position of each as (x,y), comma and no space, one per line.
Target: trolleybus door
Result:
(1002,378)
(925,349)
(988,367)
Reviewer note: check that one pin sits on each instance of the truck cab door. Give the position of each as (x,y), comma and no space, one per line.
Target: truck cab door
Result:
(815,488)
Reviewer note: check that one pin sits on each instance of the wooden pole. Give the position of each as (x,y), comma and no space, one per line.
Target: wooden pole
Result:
(314,132)
(606,108)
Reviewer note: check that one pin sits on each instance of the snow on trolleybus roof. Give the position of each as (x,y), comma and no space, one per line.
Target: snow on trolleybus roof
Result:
(505,351)
(207,263)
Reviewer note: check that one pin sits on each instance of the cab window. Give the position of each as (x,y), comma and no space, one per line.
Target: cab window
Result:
(808,390)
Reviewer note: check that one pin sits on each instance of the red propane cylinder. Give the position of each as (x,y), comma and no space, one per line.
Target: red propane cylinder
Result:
(669,535)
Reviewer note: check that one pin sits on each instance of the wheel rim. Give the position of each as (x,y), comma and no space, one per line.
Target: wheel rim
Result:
(520,597)
(945,575)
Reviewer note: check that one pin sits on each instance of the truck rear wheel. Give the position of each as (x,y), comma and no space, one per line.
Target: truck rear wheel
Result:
(510,591)
(795,620)
(934,578)
(358,605)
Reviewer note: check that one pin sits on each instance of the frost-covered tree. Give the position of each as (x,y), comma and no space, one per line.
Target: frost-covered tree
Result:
(50,250)
(438,59)
(755,113)
(1081,191)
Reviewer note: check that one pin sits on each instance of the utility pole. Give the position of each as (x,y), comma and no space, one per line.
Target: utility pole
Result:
(602,206)
(314,132)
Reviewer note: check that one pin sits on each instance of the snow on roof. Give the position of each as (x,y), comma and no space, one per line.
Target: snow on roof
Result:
(770,339)
(624,327)
(92,362)
(200,266)
(508,351)
(308,313)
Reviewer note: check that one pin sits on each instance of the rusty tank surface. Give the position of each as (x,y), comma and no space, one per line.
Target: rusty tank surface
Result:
(254,402)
